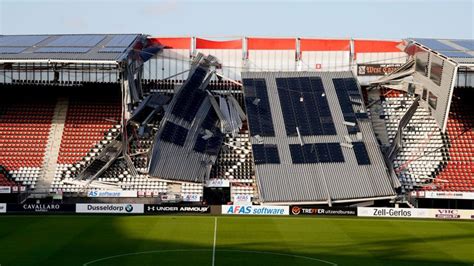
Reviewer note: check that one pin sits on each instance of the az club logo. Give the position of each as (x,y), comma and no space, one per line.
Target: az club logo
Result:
(295,210)
(129,208)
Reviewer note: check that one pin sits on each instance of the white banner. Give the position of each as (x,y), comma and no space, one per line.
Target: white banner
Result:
(392,212)
(255,210)
(111,194)
(217,183)
(242,198)
(109,208)
(415,213)
(191,197)
(5,190)
(449,195)
(451,214)
(3,207)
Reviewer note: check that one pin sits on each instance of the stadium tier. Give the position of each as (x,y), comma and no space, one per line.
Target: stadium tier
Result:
(265,120)
(458,171)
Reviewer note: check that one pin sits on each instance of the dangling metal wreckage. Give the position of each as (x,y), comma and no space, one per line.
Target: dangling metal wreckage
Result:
(192,130)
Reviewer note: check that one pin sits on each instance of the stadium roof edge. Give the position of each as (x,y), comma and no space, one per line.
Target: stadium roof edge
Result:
(447,48)
(67,48)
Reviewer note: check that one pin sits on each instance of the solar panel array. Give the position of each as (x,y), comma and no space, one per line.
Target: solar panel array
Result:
(457,49)
(304,105)
(345,88)
(21,41)
(83,46)
(315,167)
(258,107)
(63,50)
(11,50)
(121,41)
(456,54)
(468,44)
(212,144)
(361,153)
(173,133)
(265,154)
(190,97)
(316,153)
(77,40)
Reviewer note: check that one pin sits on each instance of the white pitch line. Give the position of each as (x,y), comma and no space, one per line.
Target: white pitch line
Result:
(214,245)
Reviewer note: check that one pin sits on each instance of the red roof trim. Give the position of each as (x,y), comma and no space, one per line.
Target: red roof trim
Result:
(372,46)
(271,44)
(324,45)
(209,44)
(173,43)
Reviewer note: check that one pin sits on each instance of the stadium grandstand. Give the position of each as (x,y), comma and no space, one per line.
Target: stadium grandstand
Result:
(253,119)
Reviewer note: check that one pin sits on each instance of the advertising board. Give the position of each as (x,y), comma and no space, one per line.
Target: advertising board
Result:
(109,208)
(326,211)
(255,210)
(163,209)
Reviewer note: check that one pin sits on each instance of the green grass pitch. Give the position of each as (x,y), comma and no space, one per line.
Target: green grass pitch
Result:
(242,241)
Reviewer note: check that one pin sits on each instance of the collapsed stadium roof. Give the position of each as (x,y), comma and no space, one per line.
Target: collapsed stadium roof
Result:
(312,140)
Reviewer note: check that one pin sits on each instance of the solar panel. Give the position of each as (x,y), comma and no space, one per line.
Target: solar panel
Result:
(435,45)
(456,54)
(174,133)
(468,44)
(361,153)
(316,153)
(77,40)
(258,107)
(24,41)
(112,50)
(335,152)
(323,153)
(210,120)
(362,116)
(209,146)
(121,41)
(265,154)
(190,97)
(345,88)
(11,50)
(304,105)
(79,50)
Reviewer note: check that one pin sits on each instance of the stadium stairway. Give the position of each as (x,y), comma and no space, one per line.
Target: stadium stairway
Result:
(378,123)
(53,145)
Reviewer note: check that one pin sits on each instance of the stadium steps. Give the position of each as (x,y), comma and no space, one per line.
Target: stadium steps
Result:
(53,145)
(378,123)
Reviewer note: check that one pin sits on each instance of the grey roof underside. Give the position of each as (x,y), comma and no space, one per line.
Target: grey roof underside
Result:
(182,163)
(93,47)
(288,182)
(460,51)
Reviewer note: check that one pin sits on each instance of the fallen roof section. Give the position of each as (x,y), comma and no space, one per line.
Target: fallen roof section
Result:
(300,123)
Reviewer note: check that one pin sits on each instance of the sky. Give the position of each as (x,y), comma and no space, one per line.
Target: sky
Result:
(383,19)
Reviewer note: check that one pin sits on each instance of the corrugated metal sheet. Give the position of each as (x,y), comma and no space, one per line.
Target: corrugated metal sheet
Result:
(95,42)
(287,182)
